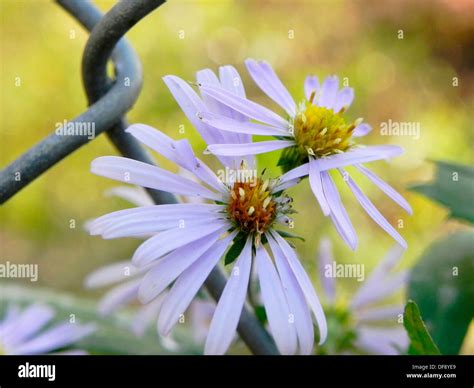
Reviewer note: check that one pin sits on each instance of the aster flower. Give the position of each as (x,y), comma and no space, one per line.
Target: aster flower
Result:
(315,139)
(25,332)
(362,325)
(189,239)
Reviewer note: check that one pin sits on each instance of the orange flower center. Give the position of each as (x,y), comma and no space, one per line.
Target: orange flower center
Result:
(251,206)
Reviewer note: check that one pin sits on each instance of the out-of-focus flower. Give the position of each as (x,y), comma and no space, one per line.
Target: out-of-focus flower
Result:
(201,313)
(123,275)
(189,239)
(315,137)
(26,332)
(360,326)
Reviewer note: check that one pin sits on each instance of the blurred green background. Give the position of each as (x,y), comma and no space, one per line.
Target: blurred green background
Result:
(405,80)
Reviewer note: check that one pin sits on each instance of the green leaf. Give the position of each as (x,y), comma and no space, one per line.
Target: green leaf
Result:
(421,342)
(452,187)
(442,284)
(261,314)
(285,234)
(290,158)
(236,248)
(112,336)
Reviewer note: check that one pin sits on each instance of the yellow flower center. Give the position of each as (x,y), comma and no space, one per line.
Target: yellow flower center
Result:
(251,206)
(319,131)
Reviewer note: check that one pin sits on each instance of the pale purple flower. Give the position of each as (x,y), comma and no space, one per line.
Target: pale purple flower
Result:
(189,240)
(375,325)
(315,139)
(29,332)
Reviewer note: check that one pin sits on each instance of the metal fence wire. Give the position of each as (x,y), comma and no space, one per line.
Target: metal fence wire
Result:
(109,100)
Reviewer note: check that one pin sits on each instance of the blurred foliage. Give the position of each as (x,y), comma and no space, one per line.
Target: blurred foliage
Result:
(421,342)
(442,285)
(453,187)
(405,80)
(112,335)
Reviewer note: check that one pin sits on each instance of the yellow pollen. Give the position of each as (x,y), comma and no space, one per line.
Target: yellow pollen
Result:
(254,210)
(322,132)
(266,202)
(264,186)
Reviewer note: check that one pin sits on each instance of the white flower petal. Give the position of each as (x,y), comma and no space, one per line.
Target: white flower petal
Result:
(226,317)
(188,284)
(276,305)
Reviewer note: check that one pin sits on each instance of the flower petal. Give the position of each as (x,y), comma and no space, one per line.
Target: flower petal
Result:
(110,274)
(163,243)
(190,103)
(188,284)
(305,284)
(231,81)
(172,265)
(155,139)
(286,185)
(344,99)
(134,227)
(359,155)
(147,315)
(327,97)
(295,173)
(381,340)
(155,211)
(379,313)
(207,76)
(311,84)
(59,336)
(27,324)
(326,258)
(356,156)
(375,292)
(145,175)
(372,211)
(378,275)
(226,124)
(197,167)
(267,80)
(317,186)
(296,300)
(118,296)
(386,188)
(361,130)
(244,106)
(276,305)
(226,317)
(248,148)
(338,212)
(135,195)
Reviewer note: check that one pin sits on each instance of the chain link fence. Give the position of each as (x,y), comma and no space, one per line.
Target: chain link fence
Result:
(109,101)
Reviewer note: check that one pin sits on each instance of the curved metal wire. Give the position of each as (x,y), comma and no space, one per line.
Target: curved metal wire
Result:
(109,101)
